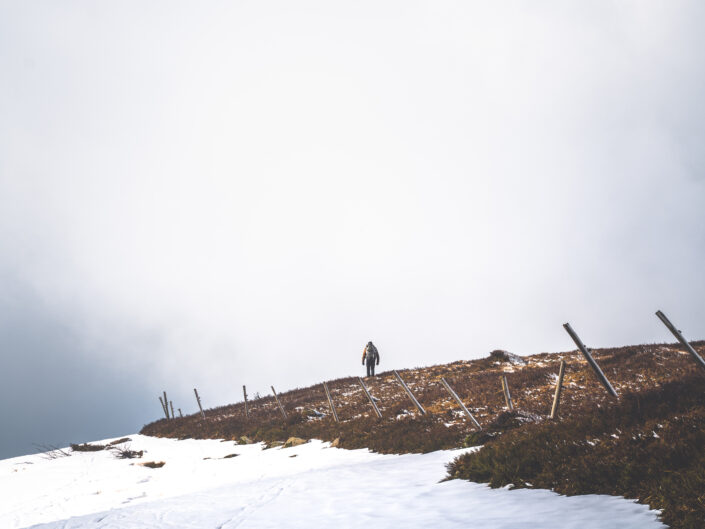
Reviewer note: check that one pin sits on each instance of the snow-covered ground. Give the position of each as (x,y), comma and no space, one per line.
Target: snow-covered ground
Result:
(308,486)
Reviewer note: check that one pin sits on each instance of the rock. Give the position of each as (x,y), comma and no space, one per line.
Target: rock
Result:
(505,356)
(335,443)
(153,464)
(244,440)
(294,441)
(273,444)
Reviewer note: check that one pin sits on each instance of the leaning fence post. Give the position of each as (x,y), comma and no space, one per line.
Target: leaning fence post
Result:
(586,353)
(166,412)
(369,397)
(247,411)
(166,405)
(409,393)
(198,399)
(559,388)
(180,414)
(507,396)
(679,337)
(330,402)
(280,404)
(460,403)
(171,403)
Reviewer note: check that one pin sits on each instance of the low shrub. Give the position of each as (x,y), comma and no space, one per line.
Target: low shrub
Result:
(648,446)
(124,452)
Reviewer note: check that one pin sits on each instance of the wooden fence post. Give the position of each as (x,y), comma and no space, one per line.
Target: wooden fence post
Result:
(166,405)
(507,396)
(280,404)
(698,359)
(460,403)
(166,412)
(559,388)
(369,397)
(171,403)
(198,399)
(247,411)
(180,414)
(409,393)
(330,402)
(586,353)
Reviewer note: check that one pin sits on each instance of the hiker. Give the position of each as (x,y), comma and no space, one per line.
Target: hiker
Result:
(372,355)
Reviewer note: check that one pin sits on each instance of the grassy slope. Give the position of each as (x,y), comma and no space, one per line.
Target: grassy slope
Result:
(649,446)
(646,445)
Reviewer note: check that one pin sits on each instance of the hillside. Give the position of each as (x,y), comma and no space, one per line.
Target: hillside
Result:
(659,387)
(531,380)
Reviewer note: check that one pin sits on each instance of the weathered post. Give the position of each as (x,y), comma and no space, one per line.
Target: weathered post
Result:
(409,393)
(171,403)
(460,403)
(559,388)
(330,402)
(698,359)
(166,412)
(180,414)
(591,361)
(369,397)
(166,405)
(507,396)
(281,408)
(247,411)
(198,399)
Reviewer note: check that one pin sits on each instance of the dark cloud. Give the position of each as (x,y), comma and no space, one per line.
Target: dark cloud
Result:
(54,390)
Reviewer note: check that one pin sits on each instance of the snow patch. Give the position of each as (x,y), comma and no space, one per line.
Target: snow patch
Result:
(320,487)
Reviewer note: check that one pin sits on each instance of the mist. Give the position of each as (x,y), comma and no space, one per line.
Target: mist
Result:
(240,193)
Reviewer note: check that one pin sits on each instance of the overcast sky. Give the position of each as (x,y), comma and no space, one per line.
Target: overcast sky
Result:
(212,194)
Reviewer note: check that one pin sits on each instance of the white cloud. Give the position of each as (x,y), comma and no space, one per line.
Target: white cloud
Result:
(266,186)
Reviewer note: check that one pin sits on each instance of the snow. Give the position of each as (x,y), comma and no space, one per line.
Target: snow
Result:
(320,487)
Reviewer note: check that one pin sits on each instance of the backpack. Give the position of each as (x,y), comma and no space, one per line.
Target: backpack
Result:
(372,353)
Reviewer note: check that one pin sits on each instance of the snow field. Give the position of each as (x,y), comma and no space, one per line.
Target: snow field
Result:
(311,485)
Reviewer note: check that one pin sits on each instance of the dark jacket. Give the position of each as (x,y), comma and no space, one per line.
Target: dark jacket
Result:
(370,353)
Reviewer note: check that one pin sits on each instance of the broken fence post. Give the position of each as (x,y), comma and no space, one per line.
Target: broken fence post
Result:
(698,359)
(507,396)
(198,399)
(247,411)
(171,403)
(586,353)
(559,388)
(180,414)
(460,403)
(330,402)
(281,408)
(369,397)
(409,393)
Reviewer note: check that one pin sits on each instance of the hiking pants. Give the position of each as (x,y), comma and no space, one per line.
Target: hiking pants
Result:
(371,367)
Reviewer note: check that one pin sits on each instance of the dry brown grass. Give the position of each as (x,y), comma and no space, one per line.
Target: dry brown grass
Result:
(477,382)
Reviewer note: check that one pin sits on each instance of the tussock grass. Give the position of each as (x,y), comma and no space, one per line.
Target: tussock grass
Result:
(648,446)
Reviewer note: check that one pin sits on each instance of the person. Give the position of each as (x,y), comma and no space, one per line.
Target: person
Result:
(370,354)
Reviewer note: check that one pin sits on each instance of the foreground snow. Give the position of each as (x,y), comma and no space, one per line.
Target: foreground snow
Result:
(311,485)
